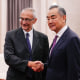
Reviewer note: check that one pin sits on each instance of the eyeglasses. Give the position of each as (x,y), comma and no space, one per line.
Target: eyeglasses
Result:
(26,19)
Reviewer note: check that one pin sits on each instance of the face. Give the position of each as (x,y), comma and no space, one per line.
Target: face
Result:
(27,20)
(55,20)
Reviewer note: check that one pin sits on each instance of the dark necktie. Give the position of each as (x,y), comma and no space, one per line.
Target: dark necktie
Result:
(54,43)
(29,71)
(28,44)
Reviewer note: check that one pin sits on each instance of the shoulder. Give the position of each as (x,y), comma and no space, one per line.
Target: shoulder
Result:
(72,36)
(40,34)
(12,32)
(43,39)
(70,33)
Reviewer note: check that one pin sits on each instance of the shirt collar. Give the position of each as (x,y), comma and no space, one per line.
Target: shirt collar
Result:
(30,32)
(62,31)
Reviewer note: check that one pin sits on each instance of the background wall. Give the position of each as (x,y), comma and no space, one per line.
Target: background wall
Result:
(73,13)
(3,23)
(0,25)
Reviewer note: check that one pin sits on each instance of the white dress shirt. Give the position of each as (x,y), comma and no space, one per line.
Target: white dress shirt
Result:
(30,36)
(60,33)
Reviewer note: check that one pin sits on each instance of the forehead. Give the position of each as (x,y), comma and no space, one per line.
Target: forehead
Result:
(53,11)
(26,13)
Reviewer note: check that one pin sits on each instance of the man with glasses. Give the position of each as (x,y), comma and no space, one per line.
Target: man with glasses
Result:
(26,50)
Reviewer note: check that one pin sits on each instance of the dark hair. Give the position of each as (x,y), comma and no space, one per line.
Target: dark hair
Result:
(61,10)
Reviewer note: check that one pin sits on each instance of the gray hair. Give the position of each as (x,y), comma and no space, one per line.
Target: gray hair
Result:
(61,10)
(30,9)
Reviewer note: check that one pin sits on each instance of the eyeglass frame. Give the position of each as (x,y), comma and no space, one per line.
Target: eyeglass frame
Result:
(25,19)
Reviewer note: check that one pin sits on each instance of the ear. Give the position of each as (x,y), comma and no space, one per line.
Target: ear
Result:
(64,18)
(35,19)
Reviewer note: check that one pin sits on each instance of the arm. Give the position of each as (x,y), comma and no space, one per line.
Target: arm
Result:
(10,56)
(73,59)
(46,57)
(40,65)
(46,53)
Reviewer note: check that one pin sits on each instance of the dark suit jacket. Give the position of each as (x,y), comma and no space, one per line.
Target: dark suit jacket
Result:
(17,55)
(64,62)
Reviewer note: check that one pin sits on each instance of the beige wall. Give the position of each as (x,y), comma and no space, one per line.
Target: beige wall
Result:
(0,25)
(73,13)
(3,17)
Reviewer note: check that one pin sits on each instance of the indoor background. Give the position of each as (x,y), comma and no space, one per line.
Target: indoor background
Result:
(9,19)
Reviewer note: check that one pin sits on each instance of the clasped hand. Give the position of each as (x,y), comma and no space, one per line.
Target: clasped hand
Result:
(36,66)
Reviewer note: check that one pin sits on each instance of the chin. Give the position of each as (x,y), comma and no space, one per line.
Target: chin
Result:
(52,28)
(25,27)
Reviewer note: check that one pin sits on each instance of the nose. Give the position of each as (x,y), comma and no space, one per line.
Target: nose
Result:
(50,21)
(24,21)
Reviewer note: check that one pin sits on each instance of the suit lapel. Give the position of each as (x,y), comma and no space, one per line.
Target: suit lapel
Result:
(21,37)
(62,39)
(56,47)
(35,41)
(60,42)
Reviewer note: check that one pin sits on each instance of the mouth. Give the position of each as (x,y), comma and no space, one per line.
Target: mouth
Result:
(52,26)
(25,25)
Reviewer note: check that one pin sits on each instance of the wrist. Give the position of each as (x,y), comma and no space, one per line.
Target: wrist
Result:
(29,63)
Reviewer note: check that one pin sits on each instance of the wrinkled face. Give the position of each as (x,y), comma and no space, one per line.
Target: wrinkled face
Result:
(55,20)
(27,20)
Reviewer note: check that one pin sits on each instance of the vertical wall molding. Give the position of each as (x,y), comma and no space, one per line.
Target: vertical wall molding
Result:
(3,23)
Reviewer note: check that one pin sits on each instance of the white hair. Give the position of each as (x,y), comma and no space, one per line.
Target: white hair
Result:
(30,9)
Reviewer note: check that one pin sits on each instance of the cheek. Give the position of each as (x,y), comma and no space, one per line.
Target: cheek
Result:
(48,23)
(59,23)
(31,24)
(21,22)
(55,21)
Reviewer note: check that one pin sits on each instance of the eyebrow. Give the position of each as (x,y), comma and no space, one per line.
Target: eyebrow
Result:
(50,16)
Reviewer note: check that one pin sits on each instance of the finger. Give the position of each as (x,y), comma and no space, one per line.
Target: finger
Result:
(37,62)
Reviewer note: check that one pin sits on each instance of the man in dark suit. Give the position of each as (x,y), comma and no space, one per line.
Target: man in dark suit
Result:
(25,54)
(64,60)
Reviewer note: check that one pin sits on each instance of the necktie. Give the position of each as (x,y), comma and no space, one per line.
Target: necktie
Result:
(28,44)
(54,42)
(29,71)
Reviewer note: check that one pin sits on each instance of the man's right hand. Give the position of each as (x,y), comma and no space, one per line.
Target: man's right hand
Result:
(36,66)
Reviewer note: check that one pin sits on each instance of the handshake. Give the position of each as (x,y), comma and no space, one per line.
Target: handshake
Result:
(36,66)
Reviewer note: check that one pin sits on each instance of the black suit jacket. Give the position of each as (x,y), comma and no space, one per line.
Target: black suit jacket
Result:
(17,55)
(64,62)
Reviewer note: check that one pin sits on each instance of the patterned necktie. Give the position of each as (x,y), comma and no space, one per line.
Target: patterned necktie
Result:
(28,43)
(54,43)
